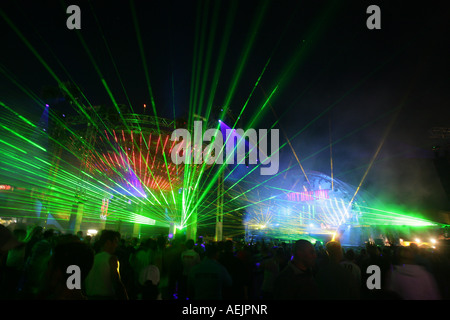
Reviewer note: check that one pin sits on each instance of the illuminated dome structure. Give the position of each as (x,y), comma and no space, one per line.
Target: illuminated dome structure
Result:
(322,208)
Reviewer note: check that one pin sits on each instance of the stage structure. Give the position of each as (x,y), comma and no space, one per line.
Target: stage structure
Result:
(322,208)
(103,167)
(95,168)
(127,176)
(89,167)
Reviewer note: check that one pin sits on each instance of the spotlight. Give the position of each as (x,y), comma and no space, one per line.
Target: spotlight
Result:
(92,232)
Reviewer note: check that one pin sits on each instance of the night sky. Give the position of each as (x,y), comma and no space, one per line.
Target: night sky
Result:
(331,71)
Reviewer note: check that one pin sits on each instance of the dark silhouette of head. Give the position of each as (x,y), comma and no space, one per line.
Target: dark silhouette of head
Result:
(212,251)
(334,251)
(304,254)
(228,246)
(109,240)
(190,244)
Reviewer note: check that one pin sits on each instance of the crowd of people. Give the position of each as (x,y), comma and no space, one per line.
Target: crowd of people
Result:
(35,265)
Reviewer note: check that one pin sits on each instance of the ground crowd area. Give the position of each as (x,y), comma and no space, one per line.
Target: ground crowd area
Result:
(34,264)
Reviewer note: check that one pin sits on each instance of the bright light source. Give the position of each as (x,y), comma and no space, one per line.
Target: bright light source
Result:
(433,241)
(92,232)
(417,240)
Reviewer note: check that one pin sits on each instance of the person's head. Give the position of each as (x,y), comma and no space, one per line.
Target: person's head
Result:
(212,251)
(7,240)
(372,250)
(334,251)
(279,254)
(304,254)
(161,241)
(109,240)
(48,234)
(35,231)
(405,255)
(228,246)
(87,239)
(152,244)
(350,255)
(190,244)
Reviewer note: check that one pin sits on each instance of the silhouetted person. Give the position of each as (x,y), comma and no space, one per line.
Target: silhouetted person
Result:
(236,268)
(334,281)
(200,247)
(37,262)
(74,253)
(103,281)
(207,279)
(149,281)
(33,236)
(8,243)
(296,281)
(349,263)
(126,271)
(140,260)
(272,268)
(373,257)
(15,262)
(172,268)
(189,258)
(410,280)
